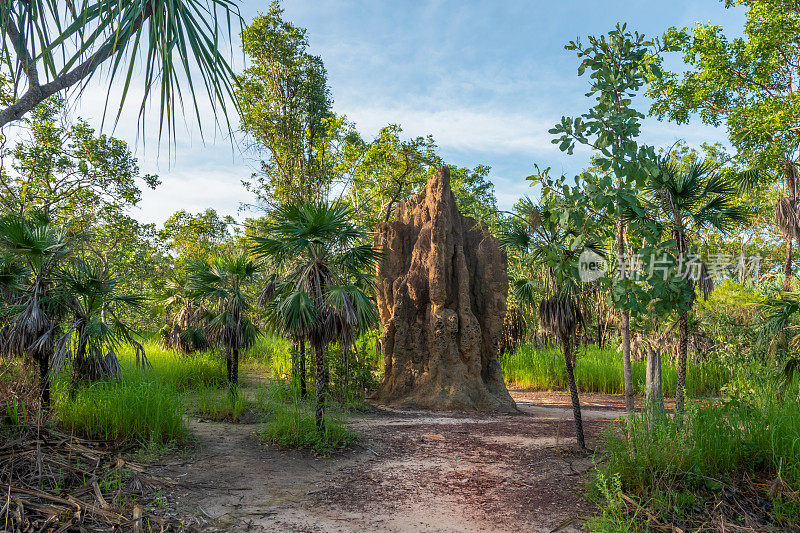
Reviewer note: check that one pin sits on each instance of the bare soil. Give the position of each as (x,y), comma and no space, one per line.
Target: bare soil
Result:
(409,471)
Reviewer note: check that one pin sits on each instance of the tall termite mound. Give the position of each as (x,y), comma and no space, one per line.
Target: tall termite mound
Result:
(442,287)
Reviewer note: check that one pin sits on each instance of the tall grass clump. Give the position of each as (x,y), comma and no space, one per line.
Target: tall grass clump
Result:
(136,409)
(181,372)
(290,422)
(600,370)
(215,404)
(677,466)
(272,354)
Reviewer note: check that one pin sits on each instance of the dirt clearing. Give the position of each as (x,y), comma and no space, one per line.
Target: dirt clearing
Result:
(410,471)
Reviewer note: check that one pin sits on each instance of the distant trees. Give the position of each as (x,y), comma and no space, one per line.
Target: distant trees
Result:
(749,85)
(286,108)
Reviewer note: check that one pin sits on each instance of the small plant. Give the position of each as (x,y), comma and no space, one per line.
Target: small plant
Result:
(613,511)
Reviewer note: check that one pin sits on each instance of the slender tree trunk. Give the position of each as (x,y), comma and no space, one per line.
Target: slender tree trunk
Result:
(228,361)
(573,391)
(303,391)
(294,363)
(319,368)
(346,357)
(655,396)
(625,319)
(235,366)
(787,266)
(683,343)
(44,379)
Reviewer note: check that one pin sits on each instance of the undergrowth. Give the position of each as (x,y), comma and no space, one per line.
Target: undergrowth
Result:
(290,421)
(600,370)
(725,463)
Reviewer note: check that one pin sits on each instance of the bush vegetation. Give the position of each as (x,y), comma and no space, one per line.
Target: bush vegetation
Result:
(600,370)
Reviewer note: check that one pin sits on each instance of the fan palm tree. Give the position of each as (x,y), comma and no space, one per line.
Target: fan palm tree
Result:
(324,272)
(57,45)
(561,306)
(32,309)
(187,329)
(686,201)
(220,284)
(95,329)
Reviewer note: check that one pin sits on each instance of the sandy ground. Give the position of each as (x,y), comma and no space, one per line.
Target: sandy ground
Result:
(410,471)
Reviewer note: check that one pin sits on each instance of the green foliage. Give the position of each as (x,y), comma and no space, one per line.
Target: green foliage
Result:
(600,370)
(285,106)
(291,422)
(717,444)
(747,83)
(57,47)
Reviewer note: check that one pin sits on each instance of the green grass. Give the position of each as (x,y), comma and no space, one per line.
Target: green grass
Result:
(290,421)
(600,370)
(215,404)
(138,408)
(146,406)
(673,468)
(270,354)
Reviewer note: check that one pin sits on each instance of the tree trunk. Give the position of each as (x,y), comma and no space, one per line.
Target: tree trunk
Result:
(655,396)
(319,374)
(294,363)
(626,361)
(234,366)
(228,364)
(625,328)
(303,392)
(683,343)
(787,266)
(44,380)
(346,358)
(573,391)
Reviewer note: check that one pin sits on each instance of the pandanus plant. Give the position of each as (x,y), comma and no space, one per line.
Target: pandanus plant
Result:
(187,327)
(32,311)
(556,249)
(323,270)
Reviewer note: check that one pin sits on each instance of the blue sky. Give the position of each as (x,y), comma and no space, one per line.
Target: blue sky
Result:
(486,79)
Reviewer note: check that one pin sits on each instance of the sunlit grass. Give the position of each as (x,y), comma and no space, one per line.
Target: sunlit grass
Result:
(290,421)
(673,463)
(600,370)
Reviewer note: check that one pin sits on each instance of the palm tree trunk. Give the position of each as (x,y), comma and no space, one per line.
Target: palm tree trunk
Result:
(346,357)
(228,364)
(303,391)
(787,266)
(683,344)
(625,320)
(320,382)
(293,355)
(235,366)
(44,379)
(573,391)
